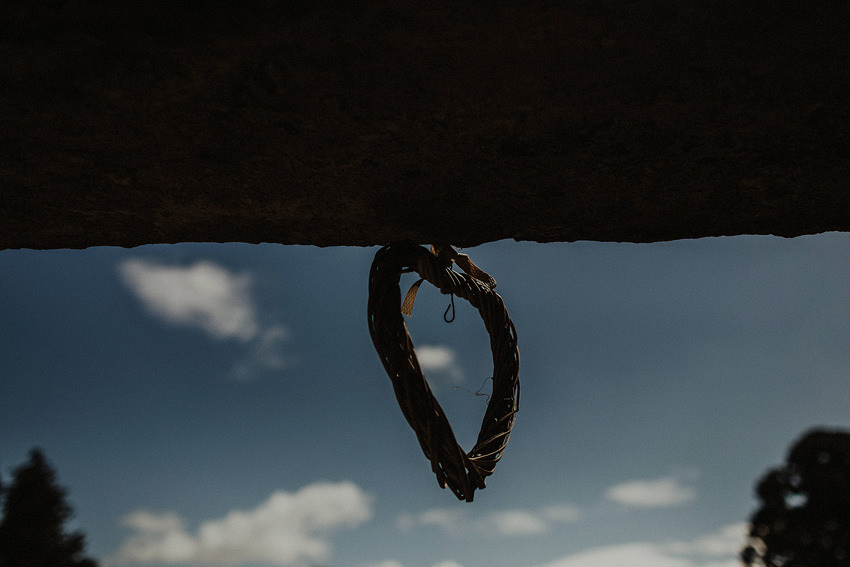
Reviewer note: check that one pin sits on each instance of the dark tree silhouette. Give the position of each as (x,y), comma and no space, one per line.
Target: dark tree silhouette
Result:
(804,518)
(34,511)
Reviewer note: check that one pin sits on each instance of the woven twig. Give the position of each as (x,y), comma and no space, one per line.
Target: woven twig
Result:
(461,472)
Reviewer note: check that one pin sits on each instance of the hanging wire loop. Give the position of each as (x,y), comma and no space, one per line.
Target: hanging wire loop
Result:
(462,472)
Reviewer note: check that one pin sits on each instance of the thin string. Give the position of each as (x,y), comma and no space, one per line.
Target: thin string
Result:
(452,308)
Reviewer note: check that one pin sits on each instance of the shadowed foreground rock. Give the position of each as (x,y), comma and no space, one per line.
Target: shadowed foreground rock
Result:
(360,123)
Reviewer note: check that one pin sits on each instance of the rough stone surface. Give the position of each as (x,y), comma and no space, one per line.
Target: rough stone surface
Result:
(359,123)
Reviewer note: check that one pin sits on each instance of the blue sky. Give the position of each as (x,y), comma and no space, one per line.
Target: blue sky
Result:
(223,403)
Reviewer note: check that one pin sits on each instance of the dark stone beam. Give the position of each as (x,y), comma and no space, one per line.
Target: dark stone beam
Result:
(363,122)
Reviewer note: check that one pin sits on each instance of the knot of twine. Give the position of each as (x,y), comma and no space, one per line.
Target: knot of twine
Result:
(445,256)
(461,472)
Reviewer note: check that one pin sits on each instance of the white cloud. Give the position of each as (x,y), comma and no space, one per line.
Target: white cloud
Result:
(394,563)
(158,536)
(719,549)
(562,513)
(443,518)
(447,520)
(653,493)
(631,554)
(515,522)
(439,360)
(204,296)
(386,563)
(287,529)
(724,541)
(208,297)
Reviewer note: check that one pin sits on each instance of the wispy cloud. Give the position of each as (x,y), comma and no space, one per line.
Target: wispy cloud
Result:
(394,563)
(561,513)
(445,518)
(439,360)
(511,522)
(631,554)
(718,549)
(386,563)
(724,541)
(287,529)
(652,493)
(266,353)
(515,522)
(208,297)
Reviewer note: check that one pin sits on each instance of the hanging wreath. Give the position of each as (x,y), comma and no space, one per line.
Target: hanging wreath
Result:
(461,472)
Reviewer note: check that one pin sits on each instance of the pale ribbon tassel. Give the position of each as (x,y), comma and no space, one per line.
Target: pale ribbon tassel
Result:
(448,255)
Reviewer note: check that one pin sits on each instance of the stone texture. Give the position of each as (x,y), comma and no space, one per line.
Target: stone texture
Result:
(360,123)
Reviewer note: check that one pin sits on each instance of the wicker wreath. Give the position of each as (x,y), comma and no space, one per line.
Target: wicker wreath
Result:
(461,472)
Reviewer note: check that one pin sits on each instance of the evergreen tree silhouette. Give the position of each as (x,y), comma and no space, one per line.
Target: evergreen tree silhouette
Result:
(34,511)
(804,518)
